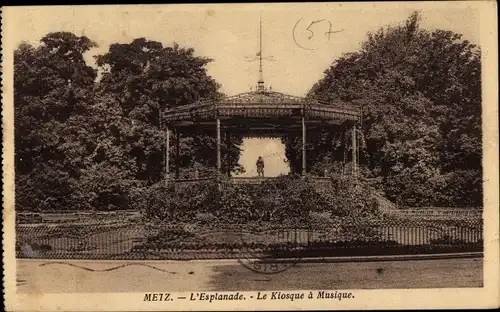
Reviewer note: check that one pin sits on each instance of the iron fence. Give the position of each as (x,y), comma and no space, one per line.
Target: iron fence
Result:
(439,213)
(136,240)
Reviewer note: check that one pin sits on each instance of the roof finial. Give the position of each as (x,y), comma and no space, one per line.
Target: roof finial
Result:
(260,83)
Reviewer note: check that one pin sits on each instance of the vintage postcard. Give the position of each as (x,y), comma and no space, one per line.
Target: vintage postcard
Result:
(323,156)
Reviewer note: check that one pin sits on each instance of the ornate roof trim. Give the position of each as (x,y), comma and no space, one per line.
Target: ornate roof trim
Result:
(262,104)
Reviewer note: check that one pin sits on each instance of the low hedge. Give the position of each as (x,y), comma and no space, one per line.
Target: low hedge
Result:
(284,199)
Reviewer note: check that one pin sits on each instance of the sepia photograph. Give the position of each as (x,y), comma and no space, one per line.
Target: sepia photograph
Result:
(226,156)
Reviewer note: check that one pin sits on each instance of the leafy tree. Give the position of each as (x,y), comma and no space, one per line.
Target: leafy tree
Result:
(82,144)
(52,95)
(420,93)
(141,80)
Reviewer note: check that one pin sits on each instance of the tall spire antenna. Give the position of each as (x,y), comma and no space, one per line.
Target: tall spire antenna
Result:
(259,57)
(260,83)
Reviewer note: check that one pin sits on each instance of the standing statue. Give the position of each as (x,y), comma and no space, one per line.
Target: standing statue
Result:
(260,166)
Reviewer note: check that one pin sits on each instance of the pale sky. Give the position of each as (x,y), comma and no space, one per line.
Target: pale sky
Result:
(229,33)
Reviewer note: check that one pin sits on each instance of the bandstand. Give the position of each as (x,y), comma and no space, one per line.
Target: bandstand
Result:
(259,113)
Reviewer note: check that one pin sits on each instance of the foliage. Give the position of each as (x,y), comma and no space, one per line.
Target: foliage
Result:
(288,201)
(143,79)
(420,93)
(171,203)
(88,141)
(53,93)
(170,235)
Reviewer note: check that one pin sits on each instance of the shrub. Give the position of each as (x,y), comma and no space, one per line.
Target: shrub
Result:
(170,202)
(205,218)
(323,220)
(237,203)
(287,200)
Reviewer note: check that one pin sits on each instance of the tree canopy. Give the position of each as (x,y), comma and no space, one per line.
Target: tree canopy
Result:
(53,92)
(85,140)
(420,94)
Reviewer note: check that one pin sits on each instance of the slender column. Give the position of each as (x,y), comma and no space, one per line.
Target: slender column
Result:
(303,145)
(218,146)
(344,147)
(177,151)
(228,144)
(354,152)
(167,155)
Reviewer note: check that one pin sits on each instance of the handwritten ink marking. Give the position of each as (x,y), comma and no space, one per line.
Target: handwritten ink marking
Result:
(330,32)
(105,270)
(312,23)
(295,39)
(311,32)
